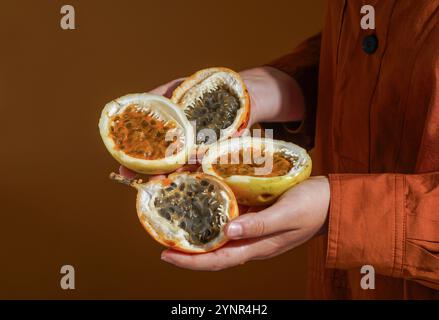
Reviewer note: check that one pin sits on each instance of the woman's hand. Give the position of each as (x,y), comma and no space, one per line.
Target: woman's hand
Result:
(300,214)
(274,96)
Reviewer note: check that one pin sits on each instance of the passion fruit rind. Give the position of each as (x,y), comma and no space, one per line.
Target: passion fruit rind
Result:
(161,109)
(215,99)
(186,211)
(259,190)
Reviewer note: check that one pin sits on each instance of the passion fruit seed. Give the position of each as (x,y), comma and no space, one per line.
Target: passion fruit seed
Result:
(141,134)
(283,162)
(201,215)
(215,110)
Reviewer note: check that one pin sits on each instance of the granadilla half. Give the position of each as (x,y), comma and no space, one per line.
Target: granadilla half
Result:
(215,99)
(185,211)
(258,170)
(146,133)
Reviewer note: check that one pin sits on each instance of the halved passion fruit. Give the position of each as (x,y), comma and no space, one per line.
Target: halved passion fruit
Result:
(146,133)
(215,99)
(186,211)
(258,170)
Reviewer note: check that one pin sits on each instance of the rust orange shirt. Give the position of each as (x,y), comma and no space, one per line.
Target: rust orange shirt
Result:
(373,119)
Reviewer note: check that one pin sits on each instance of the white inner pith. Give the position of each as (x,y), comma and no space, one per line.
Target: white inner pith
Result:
(169,229)
(211,84)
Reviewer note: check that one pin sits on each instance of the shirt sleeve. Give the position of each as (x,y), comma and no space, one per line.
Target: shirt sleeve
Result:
(303,65)
(389,221)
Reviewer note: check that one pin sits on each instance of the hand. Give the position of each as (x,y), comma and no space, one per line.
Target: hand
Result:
(298,215)
(274,96)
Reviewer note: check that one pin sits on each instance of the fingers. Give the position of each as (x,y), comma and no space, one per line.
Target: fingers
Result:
(274,219)
(127,173)
(167,89)
(228,256)
(233,254)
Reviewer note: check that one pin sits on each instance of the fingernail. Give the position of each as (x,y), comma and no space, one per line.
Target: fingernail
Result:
(234,230)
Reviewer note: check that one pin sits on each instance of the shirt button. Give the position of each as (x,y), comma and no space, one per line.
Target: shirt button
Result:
(370,44)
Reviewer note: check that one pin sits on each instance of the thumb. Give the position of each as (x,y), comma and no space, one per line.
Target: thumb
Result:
(274,219)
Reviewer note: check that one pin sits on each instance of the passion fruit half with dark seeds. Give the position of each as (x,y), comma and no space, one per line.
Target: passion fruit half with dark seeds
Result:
(185,211)
(215,99)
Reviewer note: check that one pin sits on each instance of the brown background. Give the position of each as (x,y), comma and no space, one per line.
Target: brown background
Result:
(57,204)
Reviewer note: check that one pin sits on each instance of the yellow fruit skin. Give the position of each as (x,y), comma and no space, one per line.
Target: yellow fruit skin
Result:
(254,191)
